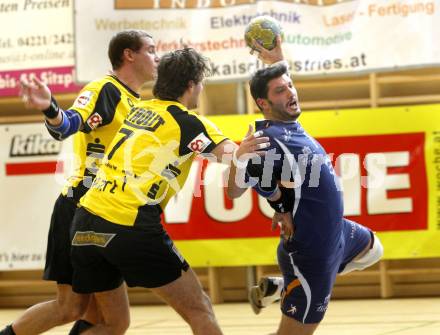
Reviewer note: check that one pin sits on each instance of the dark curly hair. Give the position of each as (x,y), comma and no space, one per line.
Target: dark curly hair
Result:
(176,69)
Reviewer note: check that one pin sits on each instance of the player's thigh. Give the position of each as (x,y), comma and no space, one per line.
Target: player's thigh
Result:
(147,259)
(308,284)
(185,294)
(357,241)
(289,326)
(58,264)
(92,270)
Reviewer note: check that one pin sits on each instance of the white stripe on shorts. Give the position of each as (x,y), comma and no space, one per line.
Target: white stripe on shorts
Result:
(305,285)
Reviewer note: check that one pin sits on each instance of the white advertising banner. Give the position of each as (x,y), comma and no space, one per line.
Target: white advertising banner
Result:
(320,37)
(36,40)
(28,190)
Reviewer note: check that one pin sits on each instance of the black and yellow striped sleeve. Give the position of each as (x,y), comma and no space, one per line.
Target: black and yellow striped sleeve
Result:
(96,104)
(197,134)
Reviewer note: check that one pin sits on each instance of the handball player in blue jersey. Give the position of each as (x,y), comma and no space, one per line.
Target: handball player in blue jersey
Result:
(299,182)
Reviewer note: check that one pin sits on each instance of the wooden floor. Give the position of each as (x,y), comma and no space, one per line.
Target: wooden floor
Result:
(344,317)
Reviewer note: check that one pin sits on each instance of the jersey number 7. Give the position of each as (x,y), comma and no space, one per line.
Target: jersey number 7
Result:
(127,133)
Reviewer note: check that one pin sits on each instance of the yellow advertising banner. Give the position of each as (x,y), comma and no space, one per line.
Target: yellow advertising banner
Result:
(404,208)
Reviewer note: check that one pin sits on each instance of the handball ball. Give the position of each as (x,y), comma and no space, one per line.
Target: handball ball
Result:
(264,29)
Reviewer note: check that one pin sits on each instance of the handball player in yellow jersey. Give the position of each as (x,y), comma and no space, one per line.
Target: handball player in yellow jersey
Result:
(118,235)
(95,117)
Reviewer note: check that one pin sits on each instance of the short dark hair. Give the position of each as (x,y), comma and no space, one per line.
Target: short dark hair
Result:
(176,69)
(259,81)
(126,39)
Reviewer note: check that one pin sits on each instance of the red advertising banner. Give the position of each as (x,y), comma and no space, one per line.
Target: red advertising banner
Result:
(387,159)
(59,79)
(411,214)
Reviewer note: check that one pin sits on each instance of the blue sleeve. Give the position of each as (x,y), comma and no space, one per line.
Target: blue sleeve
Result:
(70,124)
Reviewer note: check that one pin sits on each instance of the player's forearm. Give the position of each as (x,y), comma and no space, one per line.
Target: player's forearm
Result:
(56,121)
(226,153)
(61,124)
(275,196)
(234,190)
(52,113)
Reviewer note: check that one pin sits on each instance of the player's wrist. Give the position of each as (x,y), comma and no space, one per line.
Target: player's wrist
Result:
(239,160)
(283,204)
(51,112)
(280,61)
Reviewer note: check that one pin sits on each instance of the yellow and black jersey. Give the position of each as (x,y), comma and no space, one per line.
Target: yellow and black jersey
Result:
(102,105)
(149,161)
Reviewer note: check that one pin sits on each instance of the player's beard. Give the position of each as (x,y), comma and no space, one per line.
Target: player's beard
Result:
(279,112)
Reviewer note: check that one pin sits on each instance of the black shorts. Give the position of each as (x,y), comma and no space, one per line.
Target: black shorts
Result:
(104,254)
(58,264)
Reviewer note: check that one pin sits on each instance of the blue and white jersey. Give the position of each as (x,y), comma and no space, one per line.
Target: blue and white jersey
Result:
(299,163)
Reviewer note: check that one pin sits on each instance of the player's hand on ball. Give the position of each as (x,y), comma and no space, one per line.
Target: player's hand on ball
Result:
(263,34)
(268,57)
(35,94)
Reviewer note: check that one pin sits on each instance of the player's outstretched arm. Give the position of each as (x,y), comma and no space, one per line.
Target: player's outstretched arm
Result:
(237,156)
(60,124)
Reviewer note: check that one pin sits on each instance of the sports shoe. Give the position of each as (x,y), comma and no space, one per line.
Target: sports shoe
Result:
(266,292)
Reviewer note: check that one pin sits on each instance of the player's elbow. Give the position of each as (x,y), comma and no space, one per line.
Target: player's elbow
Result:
(70,124)
(234,192)
(55,135)
(231,194)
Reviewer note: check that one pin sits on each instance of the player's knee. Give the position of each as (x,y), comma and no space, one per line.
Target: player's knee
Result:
(122,325)
(200,309)
(71,313)
(70,310)
(372,256)
(207,304)
(116,326)
(207,307)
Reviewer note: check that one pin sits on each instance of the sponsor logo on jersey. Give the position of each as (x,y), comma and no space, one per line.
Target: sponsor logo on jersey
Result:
(94,120)
(83,99)
(199,143)
(33,145)
(141,118)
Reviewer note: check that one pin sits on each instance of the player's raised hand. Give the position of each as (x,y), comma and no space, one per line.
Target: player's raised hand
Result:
(253,144)
(35,94)
(268,57)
